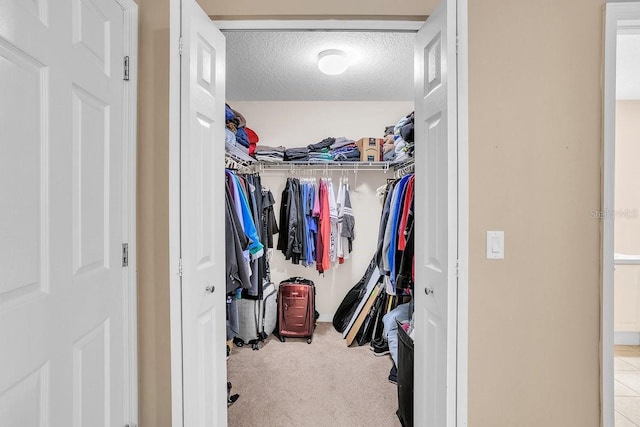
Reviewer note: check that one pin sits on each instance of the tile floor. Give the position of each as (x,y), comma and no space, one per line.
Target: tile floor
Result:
(627,385)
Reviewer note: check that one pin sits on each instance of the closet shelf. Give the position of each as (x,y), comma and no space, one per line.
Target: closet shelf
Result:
(235,154)
(327,166)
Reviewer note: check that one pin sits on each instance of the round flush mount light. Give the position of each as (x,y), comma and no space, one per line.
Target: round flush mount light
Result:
(332,62)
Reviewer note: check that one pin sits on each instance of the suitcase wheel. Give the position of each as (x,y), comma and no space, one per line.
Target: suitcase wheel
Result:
(309,340)
(255,346)
(238,342)
(282,339)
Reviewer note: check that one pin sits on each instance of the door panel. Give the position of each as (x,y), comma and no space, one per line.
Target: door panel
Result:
(91,374)
(91,148)
(203,285)
(61,213)
(24,263)
(436,196)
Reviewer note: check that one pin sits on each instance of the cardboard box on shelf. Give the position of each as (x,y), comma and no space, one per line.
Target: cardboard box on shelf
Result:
(370,149)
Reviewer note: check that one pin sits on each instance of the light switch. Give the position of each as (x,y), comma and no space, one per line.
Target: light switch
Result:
(495,244)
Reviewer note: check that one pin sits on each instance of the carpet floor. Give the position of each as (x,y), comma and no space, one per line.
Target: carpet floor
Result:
(322,384)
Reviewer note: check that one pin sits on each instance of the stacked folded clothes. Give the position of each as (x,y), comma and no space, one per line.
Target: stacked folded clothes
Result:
(296,154)
(325,143)
(265,153)
(330,149)
(320,156)
(342,142)
(399,140)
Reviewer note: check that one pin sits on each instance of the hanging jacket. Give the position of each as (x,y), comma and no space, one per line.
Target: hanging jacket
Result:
(311,224)
(408,202)
(348,222)
(256,248)
(283,235)
(384,217)
(325,228)
(405,276)
(294,248)
(269,220)
(236,269)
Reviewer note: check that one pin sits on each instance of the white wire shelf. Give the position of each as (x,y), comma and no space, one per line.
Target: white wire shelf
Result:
(325,166)
(239,157)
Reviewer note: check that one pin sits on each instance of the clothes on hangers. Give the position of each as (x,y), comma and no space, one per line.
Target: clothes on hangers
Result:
(346,222)
(319,229)
(395,251)
(249,227)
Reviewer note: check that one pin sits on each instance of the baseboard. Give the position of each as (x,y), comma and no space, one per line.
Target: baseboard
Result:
(624,338)
(326,318)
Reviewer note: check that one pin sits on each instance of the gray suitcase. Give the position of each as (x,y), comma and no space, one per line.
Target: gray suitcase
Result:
(257,318)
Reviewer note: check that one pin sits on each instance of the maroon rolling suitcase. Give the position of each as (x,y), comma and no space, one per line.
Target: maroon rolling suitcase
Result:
(296,309)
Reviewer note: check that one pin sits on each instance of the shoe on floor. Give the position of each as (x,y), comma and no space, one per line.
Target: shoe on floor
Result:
(380,349)
(393,375)
(375,342)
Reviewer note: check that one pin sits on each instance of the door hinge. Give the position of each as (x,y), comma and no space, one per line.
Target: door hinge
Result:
(125,254)
(131,425)
(126,68)
(180,267)
(457,268)
(180,44)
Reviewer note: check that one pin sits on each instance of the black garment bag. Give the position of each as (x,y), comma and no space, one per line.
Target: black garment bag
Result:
(349,304)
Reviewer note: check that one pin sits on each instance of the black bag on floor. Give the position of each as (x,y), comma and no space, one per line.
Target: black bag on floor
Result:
(348,306)
(405,378)
(366,331)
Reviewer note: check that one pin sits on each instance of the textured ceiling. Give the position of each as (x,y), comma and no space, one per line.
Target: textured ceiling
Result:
(628,67)
(282,66)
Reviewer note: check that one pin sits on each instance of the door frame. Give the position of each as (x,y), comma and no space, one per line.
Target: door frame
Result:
(614,13)
(463,181)
(129,210)
(175,253)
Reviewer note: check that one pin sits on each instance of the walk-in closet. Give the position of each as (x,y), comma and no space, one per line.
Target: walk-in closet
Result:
(307,119)
(283,101)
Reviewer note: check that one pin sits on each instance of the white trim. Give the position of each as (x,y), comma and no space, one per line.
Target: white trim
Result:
(329,24)
(463,214)
(626,338)
(614,13)
(175,282)
(130,146)
(463,180)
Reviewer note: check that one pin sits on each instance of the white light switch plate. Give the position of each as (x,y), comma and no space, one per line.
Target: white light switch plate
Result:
(495,244)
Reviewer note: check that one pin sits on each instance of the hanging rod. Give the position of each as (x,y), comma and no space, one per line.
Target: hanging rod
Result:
(404,168)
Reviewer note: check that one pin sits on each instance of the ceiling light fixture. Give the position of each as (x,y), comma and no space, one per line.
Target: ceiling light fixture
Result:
(332,62)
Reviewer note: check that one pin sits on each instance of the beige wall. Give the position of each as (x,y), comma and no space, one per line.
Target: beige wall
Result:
(535,129)
(627,204)
(535,137)
(378,9)
(153,215)
(329,119)
(299,123)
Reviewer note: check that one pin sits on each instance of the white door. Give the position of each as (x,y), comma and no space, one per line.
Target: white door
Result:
(202,221)
(436,205)
(62,285)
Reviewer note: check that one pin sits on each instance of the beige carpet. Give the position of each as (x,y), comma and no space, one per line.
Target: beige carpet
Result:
(322,384)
